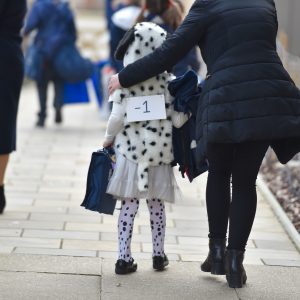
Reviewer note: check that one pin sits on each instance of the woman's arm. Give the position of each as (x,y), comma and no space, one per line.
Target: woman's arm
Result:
(172,50)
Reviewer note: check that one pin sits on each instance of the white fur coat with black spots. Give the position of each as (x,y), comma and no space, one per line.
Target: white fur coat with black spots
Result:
(147,143)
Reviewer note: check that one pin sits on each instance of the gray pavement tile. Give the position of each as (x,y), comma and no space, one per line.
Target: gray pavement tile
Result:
(269,283)
(11,215)
(268,236)
(37,208)
(50,264)
(6,249)
(14,201)
(275,245)
(10,232)
(272,254)
(29,242)
(187,223)
(179,281)
(53,195)
(65,218)
(61,234)
(29,286)
(282,262)
(31,224)
(55,252)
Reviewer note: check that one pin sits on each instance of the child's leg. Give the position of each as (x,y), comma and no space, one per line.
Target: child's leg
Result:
(158,225)
(125,227)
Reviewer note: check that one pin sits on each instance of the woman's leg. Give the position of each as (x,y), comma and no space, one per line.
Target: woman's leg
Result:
(158,225)
(42,88)
(247,160)
(218,188)
(3,164)
(58,99)
(128,212)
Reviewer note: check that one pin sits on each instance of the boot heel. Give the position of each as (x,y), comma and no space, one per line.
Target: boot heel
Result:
(236,281)
(217,269)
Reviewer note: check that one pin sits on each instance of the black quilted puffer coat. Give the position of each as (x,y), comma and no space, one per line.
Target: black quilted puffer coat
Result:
(248,95)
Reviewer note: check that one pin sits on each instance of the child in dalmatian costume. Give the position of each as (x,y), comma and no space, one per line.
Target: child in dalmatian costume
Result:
(143,151)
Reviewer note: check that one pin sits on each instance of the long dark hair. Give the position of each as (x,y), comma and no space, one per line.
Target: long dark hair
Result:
(170,11)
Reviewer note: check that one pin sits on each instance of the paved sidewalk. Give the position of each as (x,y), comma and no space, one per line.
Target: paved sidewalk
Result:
(46,238)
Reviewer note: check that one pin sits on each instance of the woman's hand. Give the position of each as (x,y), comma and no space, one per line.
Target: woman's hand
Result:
(114,83)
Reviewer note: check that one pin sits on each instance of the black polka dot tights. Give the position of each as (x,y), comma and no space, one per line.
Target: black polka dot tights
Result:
(128,212)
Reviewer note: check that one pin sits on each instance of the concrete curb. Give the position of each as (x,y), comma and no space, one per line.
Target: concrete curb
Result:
(279,212)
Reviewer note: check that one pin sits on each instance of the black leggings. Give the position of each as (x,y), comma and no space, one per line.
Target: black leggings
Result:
(241,163)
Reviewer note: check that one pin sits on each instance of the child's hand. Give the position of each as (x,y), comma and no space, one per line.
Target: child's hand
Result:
(107,144)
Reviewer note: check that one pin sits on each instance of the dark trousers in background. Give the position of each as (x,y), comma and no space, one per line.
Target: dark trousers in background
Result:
(239,163)
(42,88)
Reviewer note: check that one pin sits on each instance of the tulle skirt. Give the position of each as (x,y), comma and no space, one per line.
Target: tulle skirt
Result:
(124,182)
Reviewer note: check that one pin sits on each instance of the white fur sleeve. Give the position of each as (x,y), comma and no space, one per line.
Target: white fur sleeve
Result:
(115,122)
(179,118)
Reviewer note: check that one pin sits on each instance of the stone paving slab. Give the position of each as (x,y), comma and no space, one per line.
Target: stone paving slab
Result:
(180,281)
(41,286)
(50,264)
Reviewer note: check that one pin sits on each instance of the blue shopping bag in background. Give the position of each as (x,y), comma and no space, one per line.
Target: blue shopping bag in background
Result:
(83,91)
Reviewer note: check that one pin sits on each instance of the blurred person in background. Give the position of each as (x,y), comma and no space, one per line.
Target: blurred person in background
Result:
(54,22)
(12,13)
(169,15)
(248,103)
(121,21)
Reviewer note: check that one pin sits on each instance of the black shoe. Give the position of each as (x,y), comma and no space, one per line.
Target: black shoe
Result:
(40,123)
(160,262)
(2,199)
(214,262)
(124,267)
(235,272)
(58,116)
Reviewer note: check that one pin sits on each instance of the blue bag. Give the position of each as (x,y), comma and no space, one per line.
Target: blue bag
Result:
(75,93)
(100,170)
(34,60)
(71,66)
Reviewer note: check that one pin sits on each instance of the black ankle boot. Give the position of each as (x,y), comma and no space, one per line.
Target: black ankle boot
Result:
(160,262)
(58,116)
(235,272)
(2,199)
(214,262)
(123,267)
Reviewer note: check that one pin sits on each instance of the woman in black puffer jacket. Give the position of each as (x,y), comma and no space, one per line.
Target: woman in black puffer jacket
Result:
(248,103)
(12,13)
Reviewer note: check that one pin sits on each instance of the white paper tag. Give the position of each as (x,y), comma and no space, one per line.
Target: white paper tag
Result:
(146,108)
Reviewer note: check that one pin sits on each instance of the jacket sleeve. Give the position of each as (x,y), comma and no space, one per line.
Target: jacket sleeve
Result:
(33,19)
(115,122)
(172,50)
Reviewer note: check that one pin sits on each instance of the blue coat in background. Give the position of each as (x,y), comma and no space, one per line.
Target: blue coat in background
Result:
(54,21)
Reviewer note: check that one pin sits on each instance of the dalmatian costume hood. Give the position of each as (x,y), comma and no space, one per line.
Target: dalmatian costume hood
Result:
(147,143)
